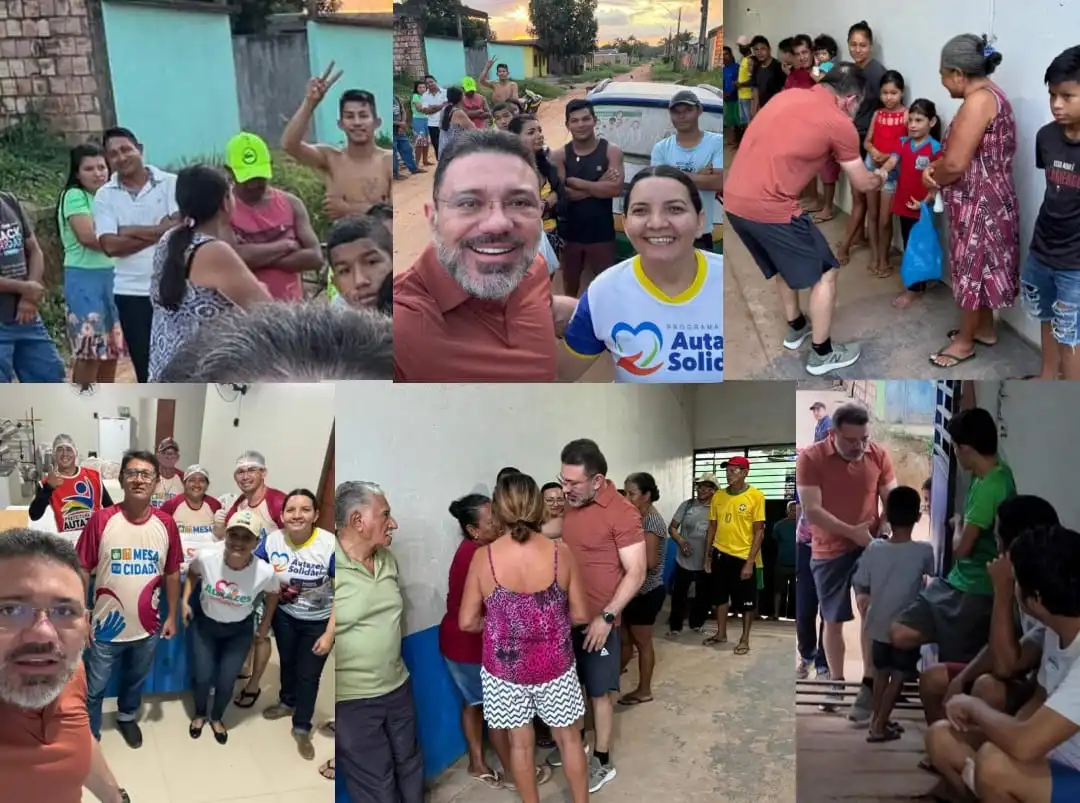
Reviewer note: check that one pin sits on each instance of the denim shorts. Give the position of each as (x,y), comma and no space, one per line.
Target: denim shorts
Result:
(832,579)
(1052,296)
(890,183)
(467,678)
(744,111)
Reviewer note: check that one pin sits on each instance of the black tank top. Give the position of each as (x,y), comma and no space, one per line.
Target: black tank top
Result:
(592,220)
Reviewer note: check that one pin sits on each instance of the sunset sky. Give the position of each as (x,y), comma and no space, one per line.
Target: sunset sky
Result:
(646,19)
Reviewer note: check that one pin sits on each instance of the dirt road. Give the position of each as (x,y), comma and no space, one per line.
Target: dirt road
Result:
(411,234)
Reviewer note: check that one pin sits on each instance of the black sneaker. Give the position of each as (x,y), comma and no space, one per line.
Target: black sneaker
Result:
(132,734)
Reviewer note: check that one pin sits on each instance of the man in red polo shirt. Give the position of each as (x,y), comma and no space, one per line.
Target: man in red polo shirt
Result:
(477,305)
(603,531)
(761,200)
(47,752)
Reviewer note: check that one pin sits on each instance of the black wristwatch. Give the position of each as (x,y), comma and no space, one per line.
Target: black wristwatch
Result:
(608,617)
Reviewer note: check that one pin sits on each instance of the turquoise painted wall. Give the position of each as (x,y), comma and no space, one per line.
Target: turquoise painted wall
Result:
(446,60)
(367,57)
(510,55)
(173,79)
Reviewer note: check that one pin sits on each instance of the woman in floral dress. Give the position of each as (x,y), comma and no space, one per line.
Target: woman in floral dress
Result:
(975,177)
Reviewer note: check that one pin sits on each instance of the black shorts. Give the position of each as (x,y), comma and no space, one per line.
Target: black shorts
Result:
(797,251)
(643,609)
(887,657)
(599,671)
(727,585)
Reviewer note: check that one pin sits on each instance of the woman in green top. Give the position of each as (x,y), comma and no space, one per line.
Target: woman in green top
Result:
(93,323)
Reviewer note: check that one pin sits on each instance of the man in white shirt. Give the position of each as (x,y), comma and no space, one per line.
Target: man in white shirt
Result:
(132,212)
(432,103)
(1033,757)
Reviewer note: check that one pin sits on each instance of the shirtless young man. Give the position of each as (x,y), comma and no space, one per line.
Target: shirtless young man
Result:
(504,90)
(358,175)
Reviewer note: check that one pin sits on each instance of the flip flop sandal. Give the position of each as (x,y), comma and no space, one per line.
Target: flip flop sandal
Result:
(952,333)
(629,699)
(956,361)
(711,640)
(926,766)
(888,736)
(328,770)
(741,648)
(895,726)
(242,699)
(329,729)
(490,779)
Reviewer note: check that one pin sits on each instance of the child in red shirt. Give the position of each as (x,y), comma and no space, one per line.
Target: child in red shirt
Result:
(887,128)
(917,151)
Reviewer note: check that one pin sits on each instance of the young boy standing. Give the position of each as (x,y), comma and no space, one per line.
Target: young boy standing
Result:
(1051,277)
(891,574)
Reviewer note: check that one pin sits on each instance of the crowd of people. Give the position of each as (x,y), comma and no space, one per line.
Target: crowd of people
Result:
(166,561)
(506,213)
(553,590)
(863,120)
(1000,698)
(150,258)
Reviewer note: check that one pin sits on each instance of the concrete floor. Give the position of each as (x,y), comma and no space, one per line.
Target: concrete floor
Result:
(722,727)
(896,343)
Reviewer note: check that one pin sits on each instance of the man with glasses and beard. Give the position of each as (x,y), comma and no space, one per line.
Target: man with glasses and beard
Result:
(603,531)
(840,482)
(477,305)
(130,550)
(47,752)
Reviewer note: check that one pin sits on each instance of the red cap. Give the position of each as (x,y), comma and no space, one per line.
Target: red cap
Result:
(736,462)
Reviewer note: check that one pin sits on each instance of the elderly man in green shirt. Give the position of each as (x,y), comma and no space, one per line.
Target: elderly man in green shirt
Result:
(377,745)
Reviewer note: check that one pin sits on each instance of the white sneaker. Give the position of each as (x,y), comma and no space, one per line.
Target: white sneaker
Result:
(802,669)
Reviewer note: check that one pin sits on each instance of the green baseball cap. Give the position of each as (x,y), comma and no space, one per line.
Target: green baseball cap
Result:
(468,85)
(248,158)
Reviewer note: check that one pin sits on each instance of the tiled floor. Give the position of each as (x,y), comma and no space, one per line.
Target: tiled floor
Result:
(260,763)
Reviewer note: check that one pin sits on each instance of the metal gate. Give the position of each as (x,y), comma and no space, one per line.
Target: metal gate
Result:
(943,473)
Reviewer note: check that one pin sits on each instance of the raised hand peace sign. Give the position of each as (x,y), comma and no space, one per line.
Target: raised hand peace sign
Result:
(318,86)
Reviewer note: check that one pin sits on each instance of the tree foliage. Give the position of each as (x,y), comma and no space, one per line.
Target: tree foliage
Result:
(440,18)
(565,29)
(252,16)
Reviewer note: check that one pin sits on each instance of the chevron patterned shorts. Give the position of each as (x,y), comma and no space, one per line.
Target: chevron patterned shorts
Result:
(558,703)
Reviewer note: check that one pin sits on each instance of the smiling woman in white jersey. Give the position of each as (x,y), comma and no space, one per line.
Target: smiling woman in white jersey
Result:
(659,314)
(302,556)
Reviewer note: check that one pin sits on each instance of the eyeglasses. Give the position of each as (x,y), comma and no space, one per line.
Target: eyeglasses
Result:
(523,208)
(565,483)
(247,471)
(135,474)
(21,616)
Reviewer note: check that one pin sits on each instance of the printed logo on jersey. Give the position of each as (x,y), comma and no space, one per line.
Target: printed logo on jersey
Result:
(637,349)
(224,591)
(280,561)
(128,562)
(694,348)
(77,507)
(922,162)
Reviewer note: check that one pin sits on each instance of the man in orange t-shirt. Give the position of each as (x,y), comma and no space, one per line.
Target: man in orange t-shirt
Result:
(477,305)
(785,147)
(841,480)
(47,752)
(604,533)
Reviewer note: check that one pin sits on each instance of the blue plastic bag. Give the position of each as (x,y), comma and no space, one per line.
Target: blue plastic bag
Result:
(922,257)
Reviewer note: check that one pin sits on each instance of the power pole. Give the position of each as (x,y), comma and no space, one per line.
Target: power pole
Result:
(703,57)
(678,33)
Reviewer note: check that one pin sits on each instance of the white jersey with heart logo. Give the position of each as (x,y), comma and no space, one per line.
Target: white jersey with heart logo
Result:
(305,572)
(654,337)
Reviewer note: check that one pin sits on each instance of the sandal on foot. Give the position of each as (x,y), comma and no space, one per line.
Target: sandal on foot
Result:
(327,770)
(888,736)
(742,648)
(926,766)
(954,360)
(977,340)
(715,640)
(329,729)
(895,726)
(822,217)
(490,779)
(243,698)
(632,699)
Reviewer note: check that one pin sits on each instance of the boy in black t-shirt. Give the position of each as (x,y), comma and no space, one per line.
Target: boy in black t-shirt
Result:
(1051,277)
(769,76)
